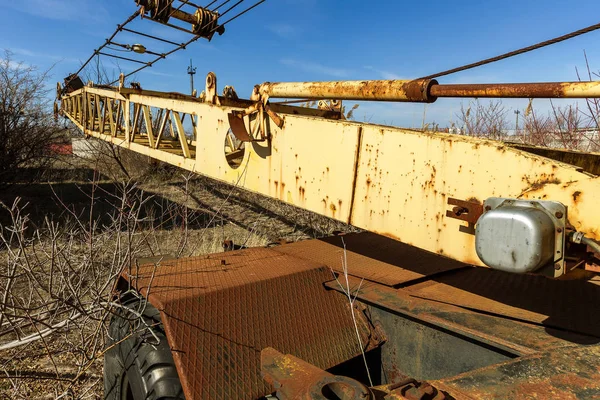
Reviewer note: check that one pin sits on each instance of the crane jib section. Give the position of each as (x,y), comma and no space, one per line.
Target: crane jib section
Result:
(391,181)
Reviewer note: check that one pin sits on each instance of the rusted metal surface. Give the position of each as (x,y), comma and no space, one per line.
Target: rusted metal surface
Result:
(543,323)
(400,302)
(464,210)
(373,257)
(404,182)
(295,379)
(588,162)
(204,22)
(236,123)
(559,305)
(592,261)
(384,90)
(391,181)
(576,90)
(425,90)
(565,373)
(221,311)
(420,391)
(409,388)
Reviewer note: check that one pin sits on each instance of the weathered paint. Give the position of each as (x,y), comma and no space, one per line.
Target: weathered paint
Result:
(380,90)
(217,318)
(564,373)
(391,181)
(426,90)
(544,90)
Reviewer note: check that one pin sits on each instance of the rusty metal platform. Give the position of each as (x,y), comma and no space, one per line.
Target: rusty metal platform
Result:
(566,305)
(566,373)
(221,310)
(373,257)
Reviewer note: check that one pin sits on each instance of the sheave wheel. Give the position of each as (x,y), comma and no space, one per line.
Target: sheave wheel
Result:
(137,368)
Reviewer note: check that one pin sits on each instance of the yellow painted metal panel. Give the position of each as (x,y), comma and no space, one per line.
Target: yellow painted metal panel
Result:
(307,164)
(406,177)
(391,181)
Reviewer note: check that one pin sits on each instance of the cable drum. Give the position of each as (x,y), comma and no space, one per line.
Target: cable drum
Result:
(206,23)
(160,10)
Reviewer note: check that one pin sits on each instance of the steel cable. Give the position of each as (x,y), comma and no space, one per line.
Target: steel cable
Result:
(106,43)
(219,6)
(195,38)
(515,52)
(121,27)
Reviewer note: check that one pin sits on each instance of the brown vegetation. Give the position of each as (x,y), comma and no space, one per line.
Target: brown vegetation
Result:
(572,127)
(27,127)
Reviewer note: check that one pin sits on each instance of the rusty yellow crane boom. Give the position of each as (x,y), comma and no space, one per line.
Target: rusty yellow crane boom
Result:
(275,322)
(421,188)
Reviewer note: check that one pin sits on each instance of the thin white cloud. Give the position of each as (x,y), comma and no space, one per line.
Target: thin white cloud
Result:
(283,30)
(309,66)
(13,65)
(157,73)
(32,54)
(23,52)
(64,10)
(16,65)
(384,74)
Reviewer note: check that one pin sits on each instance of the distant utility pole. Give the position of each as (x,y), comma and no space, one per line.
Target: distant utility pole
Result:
(517,112)
(191,72)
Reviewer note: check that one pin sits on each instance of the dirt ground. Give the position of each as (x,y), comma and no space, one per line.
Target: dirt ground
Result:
(194,217)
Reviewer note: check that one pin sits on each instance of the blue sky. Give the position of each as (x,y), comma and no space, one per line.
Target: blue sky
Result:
(291,40)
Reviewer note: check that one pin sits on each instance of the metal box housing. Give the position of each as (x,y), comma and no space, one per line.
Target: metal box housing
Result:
(520,236)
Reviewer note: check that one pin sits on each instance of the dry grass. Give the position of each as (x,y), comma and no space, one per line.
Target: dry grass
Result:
(62,245)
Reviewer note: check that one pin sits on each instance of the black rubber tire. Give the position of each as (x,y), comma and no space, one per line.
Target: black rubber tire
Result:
(137,368)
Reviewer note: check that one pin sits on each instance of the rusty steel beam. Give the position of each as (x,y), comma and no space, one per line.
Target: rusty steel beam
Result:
(390,181)
(383,90)
(572,90)
(425,90)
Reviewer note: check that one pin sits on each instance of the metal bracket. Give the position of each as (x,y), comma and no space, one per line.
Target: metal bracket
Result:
(294,378)
(238,127)
(464,210)
(331,105)
(211,89)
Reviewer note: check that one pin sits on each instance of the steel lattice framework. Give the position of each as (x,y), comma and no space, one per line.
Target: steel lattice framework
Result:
(395,182)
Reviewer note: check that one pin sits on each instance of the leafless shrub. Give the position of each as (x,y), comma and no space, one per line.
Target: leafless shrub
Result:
(593,105)
(563,127)
(487,120)
(56,281)
(27,126)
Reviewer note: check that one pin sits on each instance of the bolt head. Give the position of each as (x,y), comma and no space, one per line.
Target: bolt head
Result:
(558,214)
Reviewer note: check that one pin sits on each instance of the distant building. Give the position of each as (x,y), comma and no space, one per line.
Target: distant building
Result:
(84,148)
(63,149)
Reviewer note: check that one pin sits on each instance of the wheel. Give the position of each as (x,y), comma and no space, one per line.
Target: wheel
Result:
(136,367)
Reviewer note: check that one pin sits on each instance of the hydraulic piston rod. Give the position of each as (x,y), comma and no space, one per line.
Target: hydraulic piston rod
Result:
(390,90)
(425,90)
(573,90)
